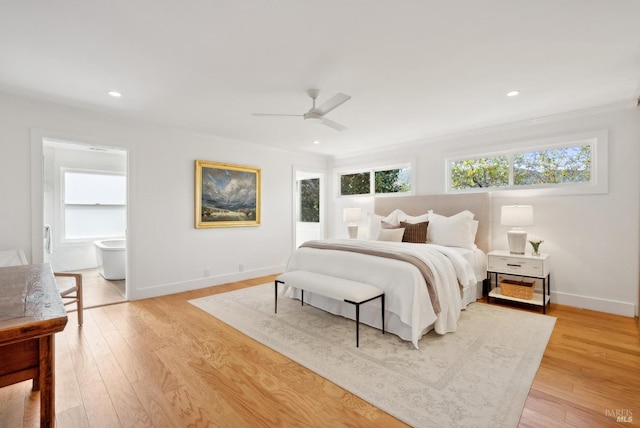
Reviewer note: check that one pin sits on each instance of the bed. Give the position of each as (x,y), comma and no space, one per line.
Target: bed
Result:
(416,302)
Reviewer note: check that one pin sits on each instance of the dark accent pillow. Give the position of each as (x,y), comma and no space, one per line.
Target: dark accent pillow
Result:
(415,232)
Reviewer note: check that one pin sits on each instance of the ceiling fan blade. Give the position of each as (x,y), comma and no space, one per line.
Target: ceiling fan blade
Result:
(334,125)
(276,114)
(332,103)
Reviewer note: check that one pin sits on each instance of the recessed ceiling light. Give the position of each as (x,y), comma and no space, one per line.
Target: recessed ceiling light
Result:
(512,93)
(115,94)
(316,142)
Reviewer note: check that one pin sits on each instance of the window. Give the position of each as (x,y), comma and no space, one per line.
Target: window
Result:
(94,205)
(355,184)
(393,180)
(557,166)
(480,172)
(309,200)
(554,166)
(376,181)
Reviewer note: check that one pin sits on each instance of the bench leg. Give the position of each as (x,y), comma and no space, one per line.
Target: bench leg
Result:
(382,313)
(276,293)
(357,305)
(357,325)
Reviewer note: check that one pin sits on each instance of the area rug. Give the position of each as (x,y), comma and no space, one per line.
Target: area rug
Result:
(478,376)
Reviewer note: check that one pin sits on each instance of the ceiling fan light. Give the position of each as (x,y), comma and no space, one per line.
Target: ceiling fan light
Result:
(313,116)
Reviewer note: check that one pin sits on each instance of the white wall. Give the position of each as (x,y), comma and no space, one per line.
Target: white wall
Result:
(593,239)
(166,253)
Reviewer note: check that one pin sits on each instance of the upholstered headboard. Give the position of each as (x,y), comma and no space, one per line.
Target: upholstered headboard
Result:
(477,203)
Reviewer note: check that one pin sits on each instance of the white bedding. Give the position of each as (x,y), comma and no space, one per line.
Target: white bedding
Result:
(408,312)
(478,261)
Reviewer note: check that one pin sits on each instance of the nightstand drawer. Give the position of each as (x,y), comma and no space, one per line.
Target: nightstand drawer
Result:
(516,265)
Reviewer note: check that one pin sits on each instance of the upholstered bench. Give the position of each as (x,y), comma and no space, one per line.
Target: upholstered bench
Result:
(332,287)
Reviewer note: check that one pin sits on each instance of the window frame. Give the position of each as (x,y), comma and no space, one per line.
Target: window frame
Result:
(63,205)
(371,170)
(598,140)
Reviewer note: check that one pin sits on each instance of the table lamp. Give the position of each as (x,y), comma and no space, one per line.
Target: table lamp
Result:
(517,216)
(352,216)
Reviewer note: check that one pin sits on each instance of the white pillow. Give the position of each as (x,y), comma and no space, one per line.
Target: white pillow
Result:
(395,217)
(415,220)
(392,235)
(455,231)
(375,222)
(399,215)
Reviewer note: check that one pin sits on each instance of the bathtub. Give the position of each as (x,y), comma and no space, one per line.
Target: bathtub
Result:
(111,255)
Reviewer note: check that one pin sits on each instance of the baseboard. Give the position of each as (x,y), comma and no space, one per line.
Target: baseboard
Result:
(602,305)
(178,287)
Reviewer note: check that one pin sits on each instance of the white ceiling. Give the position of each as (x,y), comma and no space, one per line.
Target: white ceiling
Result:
(415,69)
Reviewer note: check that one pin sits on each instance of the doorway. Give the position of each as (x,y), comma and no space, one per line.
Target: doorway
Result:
(84,198)
(309,206)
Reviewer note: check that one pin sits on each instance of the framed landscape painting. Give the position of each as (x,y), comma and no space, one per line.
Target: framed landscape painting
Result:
(226,195)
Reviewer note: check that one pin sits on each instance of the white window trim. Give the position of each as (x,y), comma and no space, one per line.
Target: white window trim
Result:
(371,169)
(599,183)
(62,205)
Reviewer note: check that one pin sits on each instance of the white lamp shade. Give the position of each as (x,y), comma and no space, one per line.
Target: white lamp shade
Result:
(352,215)
(516,215)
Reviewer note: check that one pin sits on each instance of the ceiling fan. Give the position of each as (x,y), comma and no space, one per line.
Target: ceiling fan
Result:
(317,114)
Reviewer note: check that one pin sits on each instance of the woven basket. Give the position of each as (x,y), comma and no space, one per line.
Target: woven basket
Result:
(519,289)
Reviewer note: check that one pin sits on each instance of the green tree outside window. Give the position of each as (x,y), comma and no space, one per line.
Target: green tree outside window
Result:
(309,200)
(384,181)
(393,180)
(355,184)
(480,172)
(556,166)
(559,165)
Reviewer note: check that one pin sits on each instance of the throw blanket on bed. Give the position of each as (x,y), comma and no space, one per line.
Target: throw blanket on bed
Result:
(411,312)
(425,271)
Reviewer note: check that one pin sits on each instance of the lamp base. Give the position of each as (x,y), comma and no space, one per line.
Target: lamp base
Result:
(353,231)
(517,241)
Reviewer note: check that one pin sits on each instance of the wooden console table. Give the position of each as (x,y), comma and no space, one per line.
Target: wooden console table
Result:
(31,312)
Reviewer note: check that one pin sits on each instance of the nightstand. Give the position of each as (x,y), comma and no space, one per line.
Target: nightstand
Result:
(525,265)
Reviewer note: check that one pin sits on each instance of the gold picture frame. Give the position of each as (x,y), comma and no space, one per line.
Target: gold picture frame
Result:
(226,195)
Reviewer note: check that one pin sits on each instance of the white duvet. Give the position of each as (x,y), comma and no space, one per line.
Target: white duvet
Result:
(408,310)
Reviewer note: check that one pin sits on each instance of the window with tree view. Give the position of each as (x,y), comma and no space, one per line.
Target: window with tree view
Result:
(309,200)
(480,172)
(555,166)
(355,184)
(391,180)
(518,169)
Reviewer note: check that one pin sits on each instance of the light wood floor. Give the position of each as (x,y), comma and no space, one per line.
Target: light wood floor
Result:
(162,362)
(97,290)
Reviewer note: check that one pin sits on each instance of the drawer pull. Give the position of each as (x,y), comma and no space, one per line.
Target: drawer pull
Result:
(513,265)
